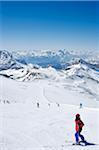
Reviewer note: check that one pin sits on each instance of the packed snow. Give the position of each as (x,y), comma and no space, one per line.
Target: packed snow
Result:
(24,126)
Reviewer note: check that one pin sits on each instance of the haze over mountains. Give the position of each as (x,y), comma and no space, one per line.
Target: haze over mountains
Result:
(58,59)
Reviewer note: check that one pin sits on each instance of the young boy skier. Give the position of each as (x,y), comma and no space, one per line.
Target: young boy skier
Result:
(78,126)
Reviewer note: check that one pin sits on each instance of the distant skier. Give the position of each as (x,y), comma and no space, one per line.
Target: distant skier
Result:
(49,104)
(78,126)
(57,104)
(38,105)
(80,105)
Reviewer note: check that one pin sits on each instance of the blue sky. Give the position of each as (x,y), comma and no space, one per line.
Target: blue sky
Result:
(49,25)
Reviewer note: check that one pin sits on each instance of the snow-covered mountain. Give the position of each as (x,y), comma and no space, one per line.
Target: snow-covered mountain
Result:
(79,76)
(58,59)
(82,69)
(78,69)
(7,61)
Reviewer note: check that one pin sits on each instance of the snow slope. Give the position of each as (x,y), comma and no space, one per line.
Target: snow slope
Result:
(23,126)
(80,78)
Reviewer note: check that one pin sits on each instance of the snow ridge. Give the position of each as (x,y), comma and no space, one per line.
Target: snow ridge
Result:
(7,61)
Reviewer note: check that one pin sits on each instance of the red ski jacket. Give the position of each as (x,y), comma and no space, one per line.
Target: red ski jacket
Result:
(78,125)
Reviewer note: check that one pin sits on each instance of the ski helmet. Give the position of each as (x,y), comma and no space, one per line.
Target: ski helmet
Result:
(77,115)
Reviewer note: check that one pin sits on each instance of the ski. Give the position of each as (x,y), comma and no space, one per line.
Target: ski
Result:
(80,144)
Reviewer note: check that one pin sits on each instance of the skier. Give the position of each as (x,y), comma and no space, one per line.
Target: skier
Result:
(78,126)
(49,104)
(80,105)
(38,105)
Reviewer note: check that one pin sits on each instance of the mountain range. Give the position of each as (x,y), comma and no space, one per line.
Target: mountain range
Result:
(75,74)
